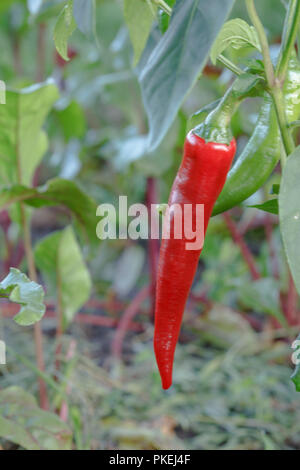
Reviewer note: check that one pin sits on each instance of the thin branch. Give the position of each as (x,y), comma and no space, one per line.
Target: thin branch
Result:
(239,240)
(128,316)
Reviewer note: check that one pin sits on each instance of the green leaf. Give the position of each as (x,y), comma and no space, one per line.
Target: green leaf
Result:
(268,206)
(296,375)
(275,189)
(56,192)
(237,34)
(197,118)
(289,213)
(84,12)
(30,295)
(72,120)
(22,142)
(245,84)
(139,19)
(25,424)
(262,296)
(64,28)
(59,259)
(178,59)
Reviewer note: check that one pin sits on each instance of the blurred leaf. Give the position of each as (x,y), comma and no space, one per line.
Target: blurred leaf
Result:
(177,60)
(246,84)
(22,142)
(139,19)
(275,189)
(24,423)
(56,192)
(64,28)
(289,213)
(84,12)
(237,34)
(34,6)
(72,120)
(128,270)
(268,206)
(30,295)
(59,259)
(262,296)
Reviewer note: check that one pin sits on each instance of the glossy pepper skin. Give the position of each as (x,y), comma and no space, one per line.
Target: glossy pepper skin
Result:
(200,179)
(262,153)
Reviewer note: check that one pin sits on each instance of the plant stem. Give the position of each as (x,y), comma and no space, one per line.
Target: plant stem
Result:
(230,65)
(273,83)
(290,32)
(38,335)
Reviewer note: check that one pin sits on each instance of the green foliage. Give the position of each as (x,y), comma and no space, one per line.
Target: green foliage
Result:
(56,192)
(64,28)
(236,34)
(175,64)
(139,19)
(25,424)
(28,294)
(289,213)
(59,258)
(22,142)
(268,206)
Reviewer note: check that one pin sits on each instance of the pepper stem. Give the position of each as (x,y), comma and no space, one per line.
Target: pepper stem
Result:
(216,127)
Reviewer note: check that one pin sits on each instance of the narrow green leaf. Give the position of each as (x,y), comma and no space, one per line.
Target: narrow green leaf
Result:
(25,424)
(268,206)
(56,192)
(289,213)
(59,258)
(139,19)
(64,28)
(178,59)
(30,295)
(237,34)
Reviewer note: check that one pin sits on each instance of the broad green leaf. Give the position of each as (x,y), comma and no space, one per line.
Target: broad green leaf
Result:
(56,192)
(25,424)
(64,28)
(237,34)
(22,142)
(30,295)
(262,296)
(84,12)
(268,206)
(72,120)
(59,258)
(178,59)
(289,213)
(139,18)
(296,375)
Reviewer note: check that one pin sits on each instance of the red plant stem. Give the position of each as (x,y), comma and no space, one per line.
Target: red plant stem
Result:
(10,310)
(291,302)
(153,244)
(64,410)
(129,314)
(41,52)
(239,240)
(272,251)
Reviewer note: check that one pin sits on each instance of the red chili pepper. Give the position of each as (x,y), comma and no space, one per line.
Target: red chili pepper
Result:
(200,180)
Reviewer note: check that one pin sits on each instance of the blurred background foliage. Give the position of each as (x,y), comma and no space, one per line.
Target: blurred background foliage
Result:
(231,385)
